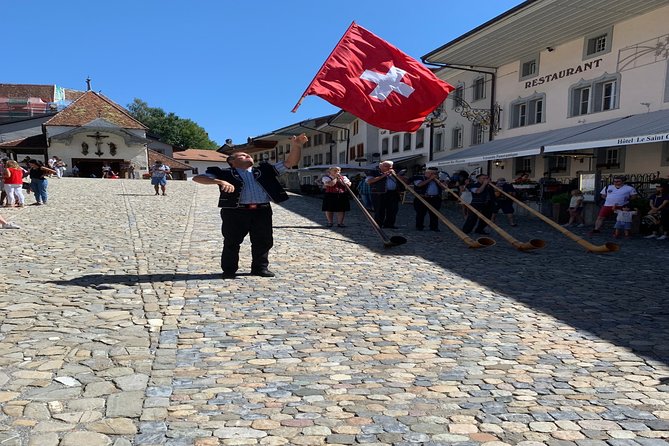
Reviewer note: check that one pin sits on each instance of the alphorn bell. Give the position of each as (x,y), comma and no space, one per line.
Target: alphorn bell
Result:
(520,246)
(388,242)
(607,247)
(481,242)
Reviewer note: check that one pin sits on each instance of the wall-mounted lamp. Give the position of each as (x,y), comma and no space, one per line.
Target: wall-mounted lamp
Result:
(550,49)
(499,164)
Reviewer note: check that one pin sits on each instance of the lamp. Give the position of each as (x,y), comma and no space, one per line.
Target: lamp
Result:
(550,49)
(499,164)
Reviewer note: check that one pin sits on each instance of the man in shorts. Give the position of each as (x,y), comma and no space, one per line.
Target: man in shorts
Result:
(159,172)
(615,196)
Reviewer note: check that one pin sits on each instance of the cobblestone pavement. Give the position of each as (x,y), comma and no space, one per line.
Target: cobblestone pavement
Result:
(115,329)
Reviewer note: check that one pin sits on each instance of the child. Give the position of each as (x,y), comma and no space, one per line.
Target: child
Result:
(623,220)
(575,209)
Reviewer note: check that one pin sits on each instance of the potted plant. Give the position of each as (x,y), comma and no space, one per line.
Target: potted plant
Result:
(560,207)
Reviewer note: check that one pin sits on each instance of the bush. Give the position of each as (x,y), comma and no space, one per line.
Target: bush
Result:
(562,198)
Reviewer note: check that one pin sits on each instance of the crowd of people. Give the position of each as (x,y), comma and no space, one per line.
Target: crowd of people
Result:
(246,191)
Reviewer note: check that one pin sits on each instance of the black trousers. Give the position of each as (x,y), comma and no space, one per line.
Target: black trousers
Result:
(421,210)
(473,219)
(386,206)
(236,224)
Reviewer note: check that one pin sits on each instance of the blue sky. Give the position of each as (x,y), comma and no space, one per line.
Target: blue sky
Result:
(236,68)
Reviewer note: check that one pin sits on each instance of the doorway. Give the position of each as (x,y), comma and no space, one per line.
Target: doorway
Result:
(89,168)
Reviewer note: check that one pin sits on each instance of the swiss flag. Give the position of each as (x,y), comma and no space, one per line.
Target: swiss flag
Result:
(378,83)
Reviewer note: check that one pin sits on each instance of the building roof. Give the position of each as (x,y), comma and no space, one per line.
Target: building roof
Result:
(90,106)
(199,155)
(38,141)
(532,27)
(47,93)
(171,162)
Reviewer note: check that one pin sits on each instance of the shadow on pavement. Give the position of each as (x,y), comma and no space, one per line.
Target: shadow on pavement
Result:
(619,297)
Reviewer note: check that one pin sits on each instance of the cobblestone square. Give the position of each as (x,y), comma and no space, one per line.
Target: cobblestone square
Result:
(116,329)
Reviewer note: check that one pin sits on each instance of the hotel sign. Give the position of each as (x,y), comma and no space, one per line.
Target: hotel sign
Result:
(629,140)
(563,73)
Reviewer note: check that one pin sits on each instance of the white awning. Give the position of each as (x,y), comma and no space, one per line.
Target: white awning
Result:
(517,146)
(636,129)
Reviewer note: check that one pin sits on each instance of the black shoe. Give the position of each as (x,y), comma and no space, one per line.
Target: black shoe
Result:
(263,273)
(435,230)
(228,275)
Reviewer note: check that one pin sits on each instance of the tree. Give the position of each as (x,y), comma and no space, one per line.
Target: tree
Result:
(170,128)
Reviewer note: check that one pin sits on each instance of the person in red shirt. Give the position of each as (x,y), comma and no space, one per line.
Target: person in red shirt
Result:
(13,177)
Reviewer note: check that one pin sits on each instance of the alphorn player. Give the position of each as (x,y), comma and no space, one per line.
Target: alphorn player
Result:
(430,187)
(483,197)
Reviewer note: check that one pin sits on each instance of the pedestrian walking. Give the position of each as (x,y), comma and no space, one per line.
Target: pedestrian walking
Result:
(159,173)
(38,180)
(13,187)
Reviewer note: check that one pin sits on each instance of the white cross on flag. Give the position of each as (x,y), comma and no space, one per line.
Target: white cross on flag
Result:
(377,82)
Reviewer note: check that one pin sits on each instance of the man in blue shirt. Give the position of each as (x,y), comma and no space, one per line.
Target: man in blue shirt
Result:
(246,191)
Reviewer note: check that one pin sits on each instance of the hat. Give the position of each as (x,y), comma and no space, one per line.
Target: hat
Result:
(434,169)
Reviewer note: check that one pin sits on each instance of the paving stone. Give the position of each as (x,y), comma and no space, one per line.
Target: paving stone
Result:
(131,334)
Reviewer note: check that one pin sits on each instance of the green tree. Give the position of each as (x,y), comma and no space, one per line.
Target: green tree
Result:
(171,128)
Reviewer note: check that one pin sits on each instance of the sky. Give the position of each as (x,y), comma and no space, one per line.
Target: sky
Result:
(236,68)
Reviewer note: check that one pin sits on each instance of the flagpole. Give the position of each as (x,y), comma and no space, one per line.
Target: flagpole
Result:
(304,95)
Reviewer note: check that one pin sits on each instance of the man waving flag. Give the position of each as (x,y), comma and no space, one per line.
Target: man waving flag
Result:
(373,80)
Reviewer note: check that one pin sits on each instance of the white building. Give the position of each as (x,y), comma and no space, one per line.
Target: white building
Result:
(583,88)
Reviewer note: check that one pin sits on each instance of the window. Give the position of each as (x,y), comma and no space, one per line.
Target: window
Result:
(384,146)
(524,165)
(529,67)
(407,141)
(456,138)
(306,161)
(527,111)
(360,151)
(420,138)
(356,125)
(438,142)
(396,143)
(478,134)
(280,150)
(594,96)
(457,95)
(342,157)
(318,139)
(597,43)
(611,159)
(351,153)
(479,88)
(328,158)
(558,164)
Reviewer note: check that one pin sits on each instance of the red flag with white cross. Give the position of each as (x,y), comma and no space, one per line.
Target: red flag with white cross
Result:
(371,79)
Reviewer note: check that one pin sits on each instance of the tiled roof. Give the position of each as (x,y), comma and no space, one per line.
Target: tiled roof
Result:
(200,155)
(90,106)
(171,162)
(35,141)
(20,91)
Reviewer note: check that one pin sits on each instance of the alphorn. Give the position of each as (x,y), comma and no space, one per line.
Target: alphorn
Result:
(607,247)
(387,241)
(520,246)
(481,242)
